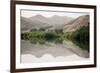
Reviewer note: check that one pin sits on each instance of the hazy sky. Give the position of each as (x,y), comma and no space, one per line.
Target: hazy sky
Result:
(30,13)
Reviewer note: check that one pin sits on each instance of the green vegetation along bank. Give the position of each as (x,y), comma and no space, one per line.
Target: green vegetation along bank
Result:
(80,37)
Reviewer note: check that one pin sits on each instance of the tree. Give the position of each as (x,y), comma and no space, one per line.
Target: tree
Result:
(41,29)
(33,30)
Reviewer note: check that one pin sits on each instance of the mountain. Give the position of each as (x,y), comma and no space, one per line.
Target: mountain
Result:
(68,24)
(59,20)
(54,20)
(27,24)
(39,21)
(77,23)
(39,18)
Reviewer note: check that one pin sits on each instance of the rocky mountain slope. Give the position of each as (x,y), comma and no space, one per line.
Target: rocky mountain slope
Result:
(77,23)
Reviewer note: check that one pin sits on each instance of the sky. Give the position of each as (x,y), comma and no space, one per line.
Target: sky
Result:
(46,13)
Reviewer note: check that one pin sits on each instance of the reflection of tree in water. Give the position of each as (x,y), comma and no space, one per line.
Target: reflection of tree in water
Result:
(80,37)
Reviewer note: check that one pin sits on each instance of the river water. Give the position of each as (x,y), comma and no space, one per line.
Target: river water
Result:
(37,53)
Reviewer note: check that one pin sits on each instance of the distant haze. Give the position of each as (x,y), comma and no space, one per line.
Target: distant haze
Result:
(30,13)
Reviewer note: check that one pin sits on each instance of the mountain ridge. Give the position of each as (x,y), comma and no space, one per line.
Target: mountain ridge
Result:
(54,22)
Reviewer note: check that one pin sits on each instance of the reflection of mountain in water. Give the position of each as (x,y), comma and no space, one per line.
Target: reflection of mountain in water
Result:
(65,49)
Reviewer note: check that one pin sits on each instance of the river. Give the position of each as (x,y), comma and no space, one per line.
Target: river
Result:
(37,53)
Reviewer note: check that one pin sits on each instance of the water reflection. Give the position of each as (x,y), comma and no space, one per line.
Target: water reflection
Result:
(42,41)
(60,43)
(82,44)
(62,48)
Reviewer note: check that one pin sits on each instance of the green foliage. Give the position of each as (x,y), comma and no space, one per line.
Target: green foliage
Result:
(59,31)
(33,30)
(26,36)
(36,41)
(68,35)
(41,29)
(50,36)
(42,37)
(81,37)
